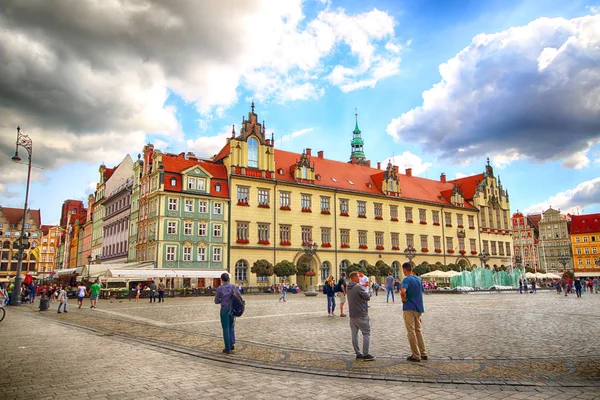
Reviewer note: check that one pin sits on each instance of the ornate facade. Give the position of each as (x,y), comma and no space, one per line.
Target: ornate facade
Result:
(554,241)
(525,240)
(11,222)
(585,239)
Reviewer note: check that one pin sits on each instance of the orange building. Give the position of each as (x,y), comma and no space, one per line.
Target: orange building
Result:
(585,240)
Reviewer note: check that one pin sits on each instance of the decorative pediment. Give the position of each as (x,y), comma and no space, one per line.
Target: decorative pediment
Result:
(303,170)
(390,184)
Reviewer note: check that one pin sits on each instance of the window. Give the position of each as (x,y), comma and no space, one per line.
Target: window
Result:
(187,228)
(585,239)
(241,271)
(448,218)
(252,153)
(362,239)
(461,244)
(362,209)
(394,213)
(216,254)
(493,246)
(587,250)
(218,188)
(201,253)
(408,214)
(217,230)
(378,210)
(486,246)
(395,240)
(171,228)
(284,234)
(435,216)
(201,184)
(263,197)
(242,232)
(284,200)
(191,183)
(459,220)
(490,217)
(189,205)
(410,240)
(304,173)
(202,207)
(243,194)
(202,229)
(307,235)
(422,215)
(305,201)
(324,271)
(424,244)
(187,254)
(577,239)
(379,239)
(594,250)
(325,205)
(172,204)
(501,249)
(344,209)
(345,237)
(173,181)
(263,233)
(471,222)
(344,267)
(450,244)
(170,253)
(326,236)
(217,208)
(473,245)
(482,214)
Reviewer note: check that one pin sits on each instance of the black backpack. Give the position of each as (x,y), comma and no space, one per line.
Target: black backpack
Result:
(238,304)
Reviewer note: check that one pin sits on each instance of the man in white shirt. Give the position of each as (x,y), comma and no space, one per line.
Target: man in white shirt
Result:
(364,281)
(81,293)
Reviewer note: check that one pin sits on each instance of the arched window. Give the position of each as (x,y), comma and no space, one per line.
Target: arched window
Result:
(325,271)
(344,266)
(252,153)
(396,269)
(241,271)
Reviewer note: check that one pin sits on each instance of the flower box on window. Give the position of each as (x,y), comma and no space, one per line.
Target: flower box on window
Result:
(410,221)
(463,252)
(326,245)
(460,226)
(379,217)
(473,252)
(395,248)
(343,214)
(436,224)
(243,203)
(423,222)
(264,242)
(362,216)
(438,251)
(285,243)
(325,212)
(380,248)
(394,219)
(471,227)
(263,206)
(285,208)
(448,225)
(424,250)
(306,209)
(363,246)
(450,251)
(242,241)
(345,246)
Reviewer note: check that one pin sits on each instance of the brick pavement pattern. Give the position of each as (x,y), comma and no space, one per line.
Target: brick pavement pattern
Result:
(172,350)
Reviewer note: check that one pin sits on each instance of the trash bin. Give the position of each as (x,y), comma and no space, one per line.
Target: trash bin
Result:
(44,303)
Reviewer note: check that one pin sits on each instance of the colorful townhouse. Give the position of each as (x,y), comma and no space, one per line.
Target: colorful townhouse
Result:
(585,240)
(11,222)
(554,244)
(525,240)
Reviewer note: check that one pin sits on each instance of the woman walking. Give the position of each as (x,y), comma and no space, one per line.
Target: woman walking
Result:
(62,299)
(328,290)
(138,291)
(283,292)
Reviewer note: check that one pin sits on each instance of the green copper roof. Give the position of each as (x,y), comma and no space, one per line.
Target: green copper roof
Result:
(357,141)
(358,154)
(356,130)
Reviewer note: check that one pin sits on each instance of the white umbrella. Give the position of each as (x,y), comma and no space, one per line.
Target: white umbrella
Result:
(450,274)
(434,274)
(530,275)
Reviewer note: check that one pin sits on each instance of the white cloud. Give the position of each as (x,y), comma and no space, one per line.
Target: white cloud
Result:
(408,160)
(290,136)
(594,9)
(572,200)
(527,92)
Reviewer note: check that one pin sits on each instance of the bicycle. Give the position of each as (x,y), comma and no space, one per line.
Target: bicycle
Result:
(2,312)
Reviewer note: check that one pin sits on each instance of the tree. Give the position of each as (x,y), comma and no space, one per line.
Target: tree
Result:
(421,269)
(453,267)
(356,267)
(285,268)
(385,269)
(303,269)
(372,270)
(262,268)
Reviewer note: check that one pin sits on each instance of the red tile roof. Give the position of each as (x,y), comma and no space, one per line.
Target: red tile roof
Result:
(589,223)
(469,184)
(534,220)
(15,215)
(175,164)
(46,229)
(363,179)
(223,153)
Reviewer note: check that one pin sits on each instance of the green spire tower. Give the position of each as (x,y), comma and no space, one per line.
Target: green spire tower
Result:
(357,144)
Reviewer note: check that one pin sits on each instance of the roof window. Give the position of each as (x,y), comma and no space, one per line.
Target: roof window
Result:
(318,177)
(350,182)
(333,179)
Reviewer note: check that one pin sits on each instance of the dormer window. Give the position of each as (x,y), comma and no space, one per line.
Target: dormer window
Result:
(173,181)
(280,171)
(303,172)
(218,187)
(252,153)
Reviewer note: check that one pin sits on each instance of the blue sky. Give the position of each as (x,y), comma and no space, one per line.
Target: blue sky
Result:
(511,80)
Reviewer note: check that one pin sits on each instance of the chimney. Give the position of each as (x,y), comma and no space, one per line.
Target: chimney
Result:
(408,171)
(396,168)
(308,152)
(320,154)
(268,141)
(443,177)
(378,165)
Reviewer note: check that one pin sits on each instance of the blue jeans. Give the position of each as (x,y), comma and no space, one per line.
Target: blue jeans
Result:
(330,304)
(227,323)
(283,294)
(62,304)
(387,296)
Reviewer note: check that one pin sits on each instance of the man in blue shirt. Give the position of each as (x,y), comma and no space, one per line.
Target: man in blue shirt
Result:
(223,297)
(389,287)
(412,307)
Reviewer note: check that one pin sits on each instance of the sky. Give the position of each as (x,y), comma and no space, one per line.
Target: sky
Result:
(438,86)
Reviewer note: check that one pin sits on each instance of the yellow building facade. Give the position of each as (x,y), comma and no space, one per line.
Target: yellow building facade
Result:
(585,242)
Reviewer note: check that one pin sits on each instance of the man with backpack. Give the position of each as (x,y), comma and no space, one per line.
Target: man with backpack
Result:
(224,297)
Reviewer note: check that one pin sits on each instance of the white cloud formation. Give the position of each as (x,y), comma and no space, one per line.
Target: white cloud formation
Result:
(572,200)
(279,143)
(527,92)
(408,160)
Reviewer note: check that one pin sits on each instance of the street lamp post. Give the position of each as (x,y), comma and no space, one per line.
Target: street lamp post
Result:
(310,250)
(564,260)
(25,142)
(484,256)
(410,253)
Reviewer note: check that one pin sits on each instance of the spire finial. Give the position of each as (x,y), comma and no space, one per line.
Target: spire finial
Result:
(488,161)
(233,131)
(252,106)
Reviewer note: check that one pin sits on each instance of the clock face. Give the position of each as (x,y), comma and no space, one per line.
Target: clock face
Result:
(197,171)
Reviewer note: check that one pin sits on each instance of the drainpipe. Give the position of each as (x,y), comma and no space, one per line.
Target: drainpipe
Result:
(443,234)
(335,244)
(274,237)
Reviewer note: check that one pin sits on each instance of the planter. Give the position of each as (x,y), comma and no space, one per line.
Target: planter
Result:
(242,203)
(395,248)
(425,250)
(362,216)
(438,251)
(242,241)
(436,224)
(363,246)
(380,248)
(409,221)
(285,243)
(450,251)
(285,208)
(345,246)
(380,218)
(473,252)
(326,212)
(326,245)
(423,222)
(307,210)
(394,219)
(344,214)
